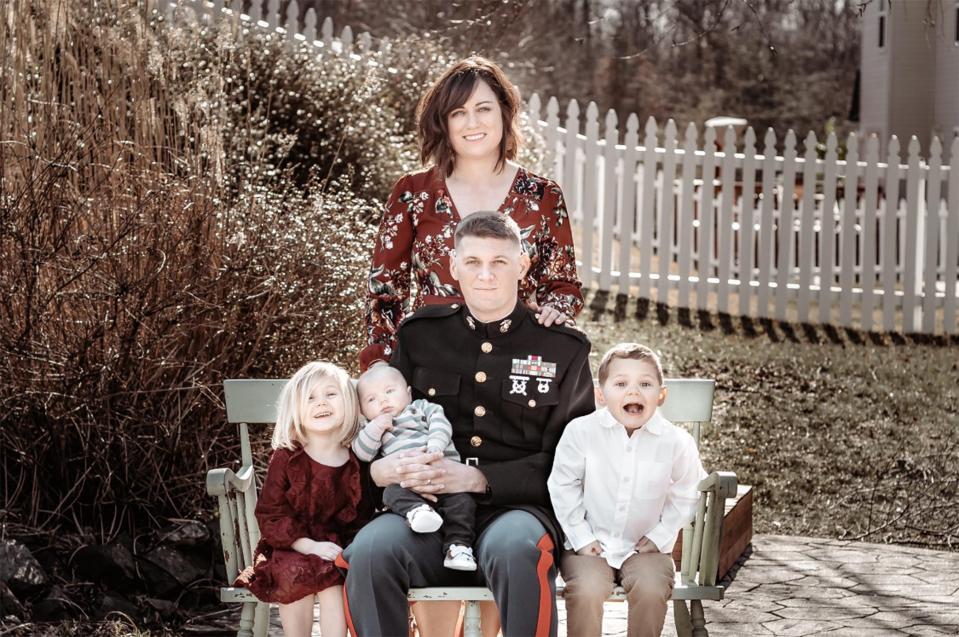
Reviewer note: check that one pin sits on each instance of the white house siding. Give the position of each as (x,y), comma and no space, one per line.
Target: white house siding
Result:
(946,115)
(913,73)
(874,79)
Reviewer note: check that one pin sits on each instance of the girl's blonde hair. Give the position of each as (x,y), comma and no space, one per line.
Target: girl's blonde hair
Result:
(295,396)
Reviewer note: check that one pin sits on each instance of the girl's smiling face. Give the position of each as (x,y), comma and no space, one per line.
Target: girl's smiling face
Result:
(324,410)
(632,392)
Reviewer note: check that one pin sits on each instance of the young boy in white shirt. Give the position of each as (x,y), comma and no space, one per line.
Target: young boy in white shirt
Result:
(623,484)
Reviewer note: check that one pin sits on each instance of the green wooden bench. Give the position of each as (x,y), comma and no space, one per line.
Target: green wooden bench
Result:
(253,402)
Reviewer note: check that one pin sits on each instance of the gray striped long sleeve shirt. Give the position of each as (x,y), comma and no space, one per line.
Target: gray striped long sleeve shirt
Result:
(421,424)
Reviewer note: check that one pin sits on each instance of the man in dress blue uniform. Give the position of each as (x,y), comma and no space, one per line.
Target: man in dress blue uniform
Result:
(509,386)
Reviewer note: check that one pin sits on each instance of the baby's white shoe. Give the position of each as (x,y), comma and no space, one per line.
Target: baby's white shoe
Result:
(423,519)
(460,558)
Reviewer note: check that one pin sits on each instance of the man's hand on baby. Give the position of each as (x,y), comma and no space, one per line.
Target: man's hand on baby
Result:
(593,548)
(327,550)
(379,425)
(646,545)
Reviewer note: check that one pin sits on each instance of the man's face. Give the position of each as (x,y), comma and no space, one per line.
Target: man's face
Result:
(488,271)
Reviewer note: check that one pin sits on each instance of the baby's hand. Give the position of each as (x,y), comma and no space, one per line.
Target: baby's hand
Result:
(593,548)
(646,545)
(379,425)
(327,550)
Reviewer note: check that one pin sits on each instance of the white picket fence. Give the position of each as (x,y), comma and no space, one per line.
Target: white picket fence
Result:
(855,243)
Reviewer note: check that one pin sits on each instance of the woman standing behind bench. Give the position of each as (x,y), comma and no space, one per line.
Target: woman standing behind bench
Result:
(469,135)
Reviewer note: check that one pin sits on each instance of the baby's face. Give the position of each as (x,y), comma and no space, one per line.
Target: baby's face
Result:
(383,394)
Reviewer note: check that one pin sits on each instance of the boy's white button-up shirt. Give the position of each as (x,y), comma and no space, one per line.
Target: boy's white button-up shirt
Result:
(613,487)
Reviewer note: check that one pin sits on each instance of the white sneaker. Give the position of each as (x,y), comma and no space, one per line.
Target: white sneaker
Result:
(423,519)
(460,558)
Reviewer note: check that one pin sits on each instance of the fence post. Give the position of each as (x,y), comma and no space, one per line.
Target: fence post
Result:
(914,222)
(747,223)
(667,208)
(628,214)
(647,211)
(890,234)
(931,239)
(951,276)
(685,218)
(590,192)
(787,209)
(827,235)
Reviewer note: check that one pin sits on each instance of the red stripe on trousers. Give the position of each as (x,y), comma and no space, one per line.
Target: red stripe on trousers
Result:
(545,546)
(342,563)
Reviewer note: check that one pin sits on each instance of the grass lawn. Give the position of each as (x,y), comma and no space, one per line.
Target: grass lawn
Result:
(842,434)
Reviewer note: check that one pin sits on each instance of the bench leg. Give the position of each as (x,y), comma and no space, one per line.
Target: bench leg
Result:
(684,623)
(699,619)
(471,620)
(246,620)
(261,620)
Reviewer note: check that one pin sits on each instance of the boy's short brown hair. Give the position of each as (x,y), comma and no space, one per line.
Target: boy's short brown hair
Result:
(488,225)
(633,351)
(450,92)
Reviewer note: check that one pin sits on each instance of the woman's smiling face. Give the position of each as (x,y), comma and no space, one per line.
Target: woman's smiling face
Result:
(476,128)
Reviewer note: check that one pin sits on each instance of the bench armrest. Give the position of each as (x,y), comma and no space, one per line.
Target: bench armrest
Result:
(224,481)
(239,533)
(702,539)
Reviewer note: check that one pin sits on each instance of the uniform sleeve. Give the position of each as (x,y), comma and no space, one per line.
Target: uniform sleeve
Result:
(388,289)
(523,481)
(683,496)
(279,524)
(558,284)
(566,488)
(440,429)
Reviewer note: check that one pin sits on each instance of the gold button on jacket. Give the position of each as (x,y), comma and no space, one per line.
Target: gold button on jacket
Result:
(480,411)
(476,441)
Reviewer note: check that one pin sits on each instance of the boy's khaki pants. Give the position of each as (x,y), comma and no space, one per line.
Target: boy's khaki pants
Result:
(647,579)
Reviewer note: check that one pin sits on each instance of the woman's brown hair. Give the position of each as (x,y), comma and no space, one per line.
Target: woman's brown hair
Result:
(450,92)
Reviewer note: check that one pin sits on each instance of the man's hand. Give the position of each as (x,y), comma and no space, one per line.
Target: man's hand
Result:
(456,477)
(593,548)
(379,425)
(411,465)
(547,315)
(646,545)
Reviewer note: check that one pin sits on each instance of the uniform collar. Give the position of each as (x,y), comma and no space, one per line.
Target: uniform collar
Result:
(655,425)
(494,329)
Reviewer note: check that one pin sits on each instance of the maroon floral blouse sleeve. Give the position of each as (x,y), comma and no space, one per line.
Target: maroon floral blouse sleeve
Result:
(554,267)
(279,523)
(388,292)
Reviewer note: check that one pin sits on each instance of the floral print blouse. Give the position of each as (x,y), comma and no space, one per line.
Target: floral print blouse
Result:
(416,237)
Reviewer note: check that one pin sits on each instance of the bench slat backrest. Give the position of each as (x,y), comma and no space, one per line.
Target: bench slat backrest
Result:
(689,400)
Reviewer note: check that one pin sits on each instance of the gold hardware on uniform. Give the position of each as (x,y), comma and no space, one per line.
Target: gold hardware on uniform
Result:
(487,347)
(504,326)
(431,391)
(532,403)
(480,411)
(455,306)
(476,441)
(480,377)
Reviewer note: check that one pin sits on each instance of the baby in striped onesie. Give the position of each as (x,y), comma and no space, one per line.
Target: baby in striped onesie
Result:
(397,423)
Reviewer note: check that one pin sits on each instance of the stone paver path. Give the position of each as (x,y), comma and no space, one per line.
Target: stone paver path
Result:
(794,586)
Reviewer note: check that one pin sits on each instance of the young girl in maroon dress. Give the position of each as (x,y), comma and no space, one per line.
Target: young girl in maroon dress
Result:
(312,503)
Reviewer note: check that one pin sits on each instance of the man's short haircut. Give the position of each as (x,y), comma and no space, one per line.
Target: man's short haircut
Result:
(375,372)
(488,225)
(633,351)
(449,93)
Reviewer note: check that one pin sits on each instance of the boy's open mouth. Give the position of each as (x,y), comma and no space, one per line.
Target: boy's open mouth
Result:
(634,408)
(322,414)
